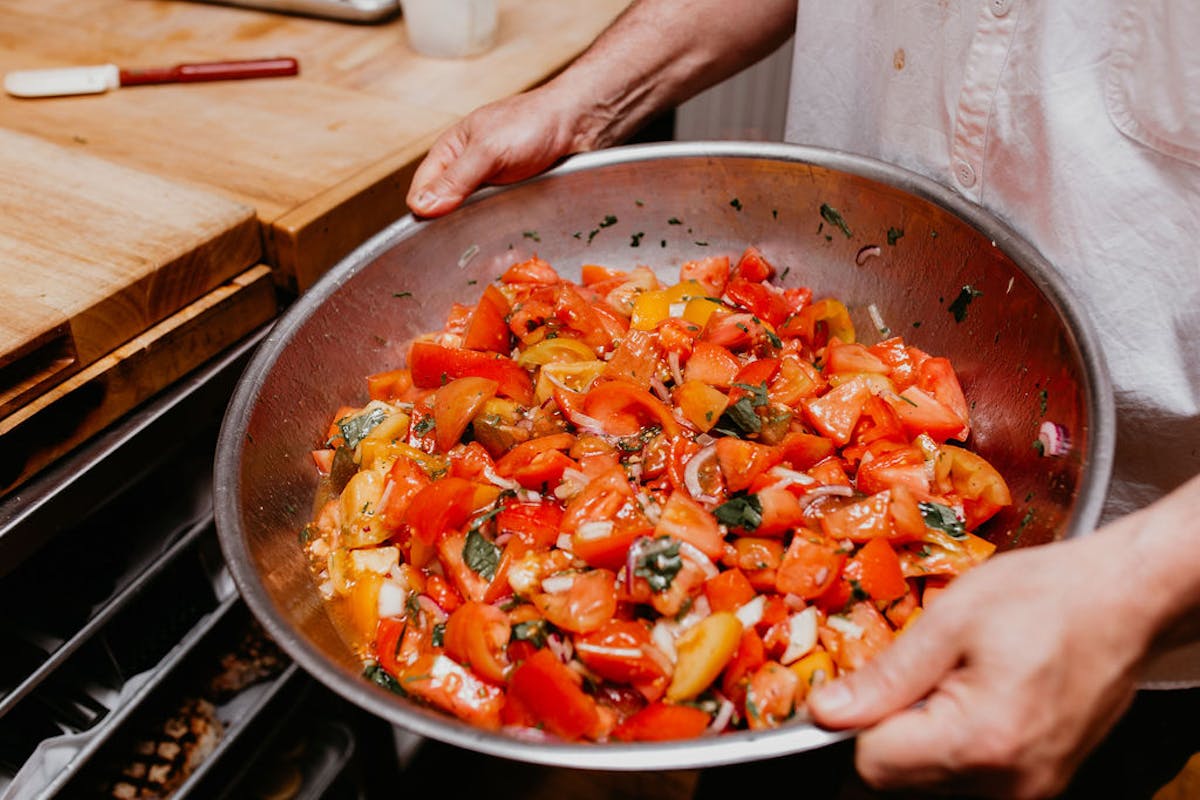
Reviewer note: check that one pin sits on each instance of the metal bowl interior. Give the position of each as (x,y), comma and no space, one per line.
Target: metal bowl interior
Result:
(947,277)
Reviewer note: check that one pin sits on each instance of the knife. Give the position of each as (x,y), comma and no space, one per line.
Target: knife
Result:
(103,77)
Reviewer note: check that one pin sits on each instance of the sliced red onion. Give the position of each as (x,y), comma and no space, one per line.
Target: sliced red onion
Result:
(696,556)
(877,320)
(722,718)
(560,646)
(615,652)
(870,251)
(691,474)
(660,389)
(673,363)
(835,490)
(526,734)
(431,608)
(1055,439)
(845,626)
(631,557)
(790,477)
(663,637)
(504,483)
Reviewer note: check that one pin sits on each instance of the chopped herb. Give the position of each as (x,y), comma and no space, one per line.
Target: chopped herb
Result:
(674,221)
(894,235)
(592,234)
(774,213)
(578,234)
(917,324)
(742,327)
(700,244)
(1025,520)
(658,561)
(424,425)
(783,275)
(307,533)
(608,220)
(480,555)
(402,294)
(381,677)
(737,204)
(532,235)
(708,415)
(638,203)
(959,307)
(483,518)
(662,243)
(532,631)
(1039,447)
(412,605)
(857,592)
(355,429)
(772,338)
(472,283)
(740,511)
(636,239)
(924,552)
(250,438)
(739,420)
(759,393)
(437,636)
(1043,400)
(942,518)
(834,217)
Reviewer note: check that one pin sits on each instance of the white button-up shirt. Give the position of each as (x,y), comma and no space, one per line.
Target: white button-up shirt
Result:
(1078,123)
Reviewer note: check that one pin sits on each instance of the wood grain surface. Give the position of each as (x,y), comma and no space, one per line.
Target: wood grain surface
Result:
(66,416)
(92,254)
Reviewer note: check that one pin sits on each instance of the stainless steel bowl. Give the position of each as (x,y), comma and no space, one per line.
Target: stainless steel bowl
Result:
(1024,352)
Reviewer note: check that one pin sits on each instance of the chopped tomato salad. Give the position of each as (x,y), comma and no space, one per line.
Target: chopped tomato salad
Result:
(621,510)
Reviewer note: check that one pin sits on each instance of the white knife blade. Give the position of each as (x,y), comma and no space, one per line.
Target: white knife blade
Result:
(62,81)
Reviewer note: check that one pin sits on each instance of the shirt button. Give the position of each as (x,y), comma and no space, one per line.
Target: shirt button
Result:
(964,173)
(1000,7)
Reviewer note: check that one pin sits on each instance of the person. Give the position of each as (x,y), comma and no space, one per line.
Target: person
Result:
(1079,125)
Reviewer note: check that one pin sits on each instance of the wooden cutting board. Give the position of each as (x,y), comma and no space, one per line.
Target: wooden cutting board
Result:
(93,253)
(59,420)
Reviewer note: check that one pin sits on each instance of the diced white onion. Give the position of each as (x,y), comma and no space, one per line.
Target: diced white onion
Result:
(802,635)
(751,612)
(660,389)
(844,626)
(392,598)
(557,584)
(326,589)
(467,255)
(676,309)
(877,319)
(615,652)
(795,602)
(563,542)
(596,529)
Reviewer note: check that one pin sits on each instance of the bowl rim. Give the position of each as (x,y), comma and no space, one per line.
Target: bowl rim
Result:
(737,747)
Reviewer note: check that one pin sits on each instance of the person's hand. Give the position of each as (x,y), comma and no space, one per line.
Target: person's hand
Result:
(503,142)
(1024,664)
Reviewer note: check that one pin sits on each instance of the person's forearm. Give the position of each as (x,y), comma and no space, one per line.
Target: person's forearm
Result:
(1162,548)
(659,53)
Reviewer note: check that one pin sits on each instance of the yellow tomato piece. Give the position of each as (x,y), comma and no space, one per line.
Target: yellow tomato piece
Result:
(378,455)
(553,351)
(813,670)
(698,310)
(649,309)
(358,503)
(700,403)
(878,384)
(703,651)
(684,291)
(576,377)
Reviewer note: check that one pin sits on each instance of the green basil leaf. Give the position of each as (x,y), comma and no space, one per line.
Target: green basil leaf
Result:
(943,518)
(740,511)
(481,556)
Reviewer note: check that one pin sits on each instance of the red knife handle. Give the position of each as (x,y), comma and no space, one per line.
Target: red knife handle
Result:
(211,71)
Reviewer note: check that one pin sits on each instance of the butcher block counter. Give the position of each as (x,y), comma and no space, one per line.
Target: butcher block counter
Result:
(145,229)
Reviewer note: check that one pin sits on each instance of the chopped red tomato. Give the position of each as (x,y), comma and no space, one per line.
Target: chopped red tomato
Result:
(603,484)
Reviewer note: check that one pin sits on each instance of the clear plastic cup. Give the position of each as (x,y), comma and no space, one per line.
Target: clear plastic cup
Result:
(450,28)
